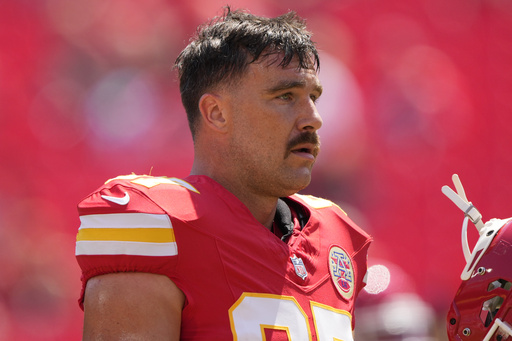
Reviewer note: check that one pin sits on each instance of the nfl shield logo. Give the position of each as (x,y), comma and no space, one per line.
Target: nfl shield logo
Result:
(300,269)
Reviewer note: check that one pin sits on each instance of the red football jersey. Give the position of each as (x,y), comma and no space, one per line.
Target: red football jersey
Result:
(240,280)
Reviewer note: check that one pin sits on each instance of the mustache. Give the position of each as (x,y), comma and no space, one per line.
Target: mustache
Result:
(306,137)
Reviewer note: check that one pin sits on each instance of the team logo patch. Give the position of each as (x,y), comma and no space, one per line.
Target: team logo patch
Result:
(300,269)
(342,271)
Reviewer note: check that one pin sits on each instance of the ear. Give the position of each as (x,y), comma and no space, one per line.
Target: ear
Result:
(212,109)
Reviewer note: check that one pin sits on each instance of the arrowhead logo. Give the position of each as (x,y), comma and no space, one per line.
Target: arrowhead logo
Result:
(120,201)
(342,271)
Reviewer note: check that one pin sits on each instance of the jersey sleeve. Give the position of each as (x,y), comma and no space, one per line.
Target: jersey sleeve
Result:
(123,230)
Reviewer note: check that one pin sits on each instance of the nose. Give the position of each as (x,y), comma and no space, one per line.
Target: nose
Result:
(310,120)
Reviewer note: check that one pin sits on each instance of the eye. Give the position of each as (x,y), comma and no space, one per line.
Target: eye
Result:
(314,98)
(287,96)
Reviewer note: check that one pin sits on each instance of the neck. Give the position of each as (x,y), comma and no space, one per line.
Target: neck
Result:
(262,207)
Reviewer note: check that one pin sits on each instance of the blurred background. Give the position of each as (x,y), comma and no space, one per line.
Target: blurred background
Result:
(415,90)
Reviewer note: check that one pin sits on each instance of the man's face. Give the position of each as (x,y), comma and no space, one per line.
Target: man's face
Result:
(274,142)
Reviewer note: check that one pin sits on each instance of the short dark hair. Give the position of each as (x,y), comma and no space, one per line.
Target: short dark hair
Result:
(223,48)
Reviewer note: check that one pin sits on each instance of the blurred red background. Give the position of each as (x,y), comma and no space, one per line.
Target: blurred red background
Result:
(415,91)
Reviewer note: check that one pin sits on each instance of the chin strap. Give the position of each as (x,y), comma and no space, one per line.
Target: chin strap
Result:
(462,202)
(470,213)
(487,231)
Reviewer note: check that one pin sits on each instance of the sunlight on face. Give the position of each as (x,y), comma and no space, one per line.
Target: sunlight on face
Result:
(274,122)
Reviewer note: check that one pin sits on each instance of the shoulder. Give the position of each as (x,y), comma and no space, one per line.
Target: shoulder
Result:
(122,212)
(126,226)
(135,194)
(127,215)
(320,206)
(325,211)
(317,203)
(132,215)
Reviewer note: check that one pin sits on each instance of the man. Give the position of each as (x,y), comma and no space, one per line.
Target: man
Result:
(230,252)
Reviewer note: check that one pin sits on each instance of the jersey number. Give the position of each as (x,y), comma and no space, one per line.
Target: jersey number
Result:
(252,314)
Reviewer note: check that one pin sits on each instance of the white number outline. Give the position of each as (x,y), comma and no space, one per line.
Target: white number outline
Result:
(322,315)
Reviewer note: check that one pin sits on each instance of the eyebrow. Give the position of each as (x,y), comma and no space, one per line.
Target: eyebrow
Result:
(290,84)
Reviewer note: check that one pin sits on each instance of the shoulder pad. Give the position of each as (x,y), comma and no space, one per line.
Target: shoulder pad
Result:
(317,203)
(130,193)
(122,218)
(152,181)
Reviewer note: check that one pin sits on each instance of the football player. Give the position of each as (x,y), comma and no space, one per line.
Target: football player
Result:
(231,252)
(481,307)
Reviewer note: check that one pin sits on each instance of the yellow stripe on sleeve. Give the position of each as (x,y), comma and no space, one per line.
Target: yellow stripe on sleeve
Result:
(150,235)
(139,234)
